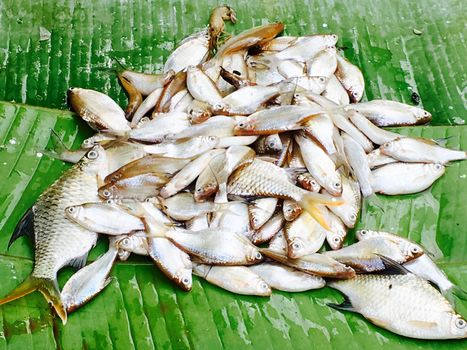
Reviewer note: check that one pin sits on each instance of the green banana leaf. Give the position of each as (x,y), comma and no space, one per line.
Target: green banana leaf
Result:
(141,308)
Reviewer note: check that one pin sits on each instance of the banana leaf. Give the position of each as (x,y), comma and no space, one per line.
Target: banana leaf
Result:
(141,308)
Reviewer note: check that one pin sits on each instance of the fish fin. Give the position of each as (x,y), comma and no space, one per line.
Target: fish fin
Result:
(453,294)
(294,172)
(427,141)
(311,203)
(422,324)
(442,141)
(392,267)
(79,262)
(47,287)
(346,305)
(24,228)
(305,120)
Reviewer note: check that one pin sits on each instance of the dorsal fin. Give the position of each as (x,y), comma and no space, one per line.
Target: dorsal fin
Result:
(24,228)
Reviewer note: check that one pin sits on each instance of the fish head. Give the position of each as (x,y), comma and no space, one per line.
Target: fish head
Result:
(184,279)
(350,218)
(291,212)
(73,212)
(421,115)
(96,161)
(365,234)
(206,191)
(409,250)
(334,185)
(356,92)
(330,39)
(336,240)
(262,288)
(390,147)
(210,141)
(295,248)
(274,144)
(244,128)
(107,191)
(436,169)
(253,255)
(221,107)
(199,112)
(457,326)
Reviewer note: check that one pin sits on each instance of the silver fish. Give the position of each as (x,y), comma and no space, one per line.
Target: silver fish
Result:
(401,303)
(191,51)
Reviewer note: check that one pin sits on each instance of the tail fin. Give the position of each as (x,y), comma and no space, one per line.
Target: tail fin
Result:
(310,203)
(453,294)
(47,287)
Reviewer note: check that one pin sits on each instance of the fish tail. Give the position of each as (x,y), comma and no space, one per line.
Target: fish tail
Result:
(317,211)
(155,229)
(454,293)
(47,287)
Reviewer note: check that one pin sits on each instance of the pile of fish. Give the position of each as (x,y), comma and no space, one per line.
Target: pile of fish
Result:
(236,164)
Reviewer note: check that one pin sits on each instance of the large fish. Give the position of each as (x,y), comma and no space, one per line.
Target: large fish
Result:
(59,241)
(402,303)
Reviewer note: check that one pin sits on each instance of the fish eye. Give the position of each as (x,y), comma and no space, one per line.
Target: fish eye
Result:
(337,185)
(241,125)
(426,114)
(334,36)
(185,280)
(212,138)
(106,193)
(92,154)
(70,209)
(258,256)
(438,166)
(336,239)
(322,79)
(296,246)
(415,250)
(354,93)
(352,217)
(264,286)
(363,232)
(460,323)
(126,242)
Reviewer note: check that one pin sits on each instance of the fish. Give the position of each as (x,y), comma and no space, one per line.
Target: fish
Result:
(269,229)
(207,184)
(201,87)
(335,92)
(58,241)
(419,150)
(307,182)
(183,206)
(177,84)
(316,264)
(319,164)
(188,173)
(377,135)
(210,246)
(278,243)
(246,100)
(146,83)
(304,236)
(235,279)
(351,78)
(216,23)
(422,265)
(337,231)
(99,138)
(184,148)
(98,110)
(199,222)
(146,105)
(376,159)
(234,218)
(191,51)
(417,177)
(365,255)
(104,218)
(305,48)
(291,210)
(348,212)
(402,303)
(220,126)
(287,279)
(137,187)
(390,113)
(276,119)
(359,165)
(249,38)
(158,129)
(134,244)
(180,101)
(89,281)
(134,97)
(147,164)
(323,64)
(268,144)
(321,128)
(263,179)
(261,210)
